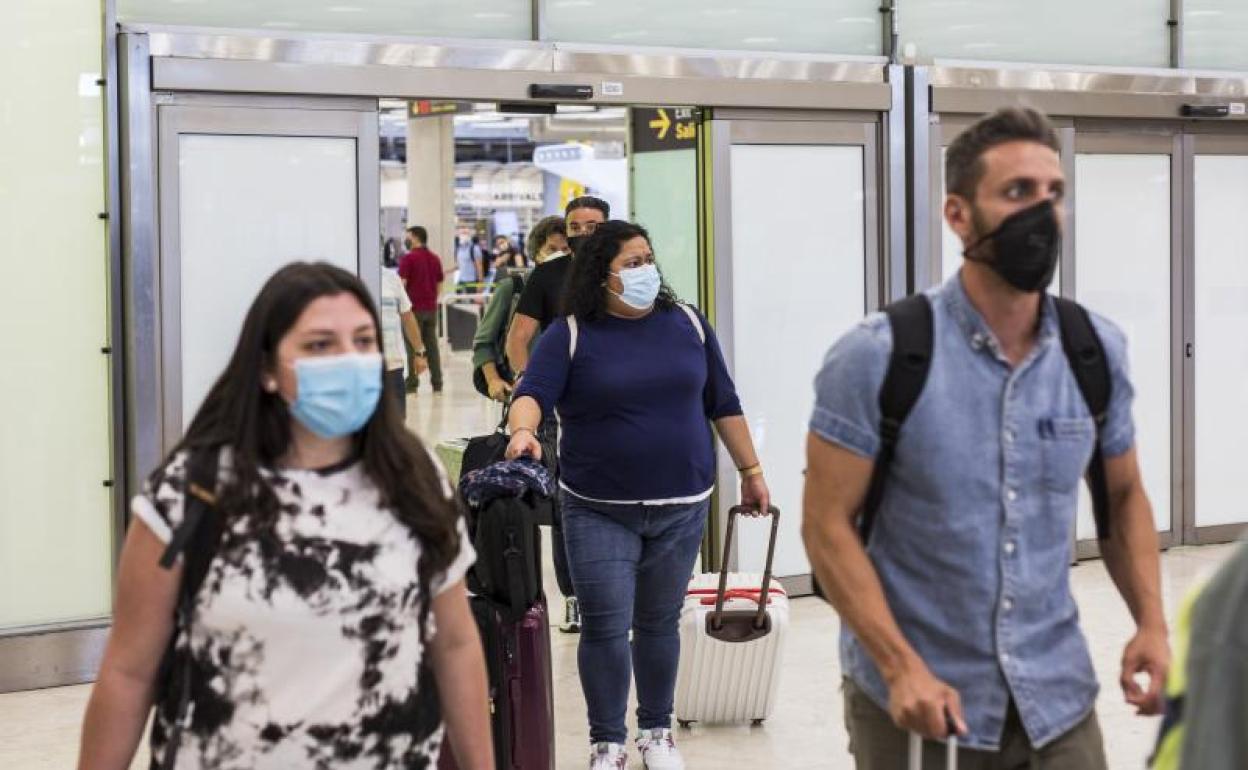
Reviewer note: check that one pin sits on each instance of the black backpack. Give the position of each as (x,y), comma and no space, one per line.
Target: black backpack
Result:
(911,323)
(197,540)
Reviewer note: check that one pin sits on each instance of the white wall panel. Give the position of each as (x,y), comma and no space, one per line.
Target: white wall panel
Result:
(1123,270)
(247,206)
(1221,202)
(798,283)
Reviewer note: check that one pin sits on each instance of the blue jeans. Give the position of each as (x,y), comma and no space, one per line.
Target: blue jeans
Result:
(630,565)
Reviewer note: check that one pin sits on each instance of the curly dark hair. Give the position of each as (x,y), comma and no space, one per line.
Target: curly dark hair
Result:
(254,424)
(585,295)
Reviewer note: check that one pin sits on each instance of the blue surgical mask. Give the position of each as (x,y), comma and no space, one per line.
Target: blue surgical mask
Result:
(337,395)
(641,286)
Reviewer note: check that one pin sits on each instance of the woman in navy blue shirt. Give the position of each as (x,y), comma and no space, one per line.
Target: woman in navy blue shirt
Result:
(637,379)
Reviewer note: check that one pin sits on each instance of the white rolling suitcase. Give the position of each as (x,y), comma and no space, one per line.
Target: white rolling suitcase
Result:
(731,642)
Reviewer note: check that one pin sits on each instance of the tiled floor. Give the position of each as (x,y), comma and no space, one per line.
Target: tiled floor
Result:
(40,729)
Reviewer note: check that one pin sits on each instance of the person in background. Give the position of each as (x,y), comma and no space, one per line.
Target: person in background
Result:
(471,261)
(958,612)
(332,627)
(506,256)
(550,237)
(400,331)
(422,274)
(542,300)
(636,400)
(540,304)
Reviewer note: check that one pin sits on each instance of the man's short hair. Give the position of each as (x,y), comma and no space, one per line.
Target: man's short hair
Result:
(419,233)
(964,165)
(541,232)
(588,202)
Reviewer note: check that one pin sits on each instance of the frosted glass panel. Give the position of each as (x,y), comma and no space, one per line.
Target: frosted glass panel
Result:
(55,512)
(1122,258)
(1221,199)
(824,26)
(248,205)
(420,18)
(1107,32)
(790,302)
(665,203)
(1213,34)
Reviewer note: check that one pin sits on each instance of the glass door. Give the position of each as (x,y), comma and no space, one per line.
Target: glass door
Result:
(796,233)
(1217,358)
(245,188)
(1125,228)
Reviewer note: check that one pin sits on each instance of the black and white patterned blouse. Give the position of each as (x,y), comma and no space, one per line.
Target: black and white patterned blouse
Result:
(305,642)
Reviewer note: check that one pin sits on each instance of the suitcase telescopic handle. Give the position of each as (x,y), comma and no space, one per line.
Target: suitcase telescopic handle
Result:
(760,620)
(951,749)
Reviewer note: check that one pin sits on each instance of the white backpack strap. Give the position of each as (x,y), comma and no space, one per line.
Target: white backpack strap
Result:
(693,319)
(573,332)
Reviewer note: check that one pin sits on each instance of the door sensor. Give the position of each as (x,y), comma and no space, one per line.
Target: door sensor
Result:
(1206,110)
(560,91)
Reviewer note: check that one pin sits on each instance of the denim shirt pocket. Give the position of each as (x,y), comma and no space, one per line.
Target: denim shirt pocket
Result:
(1066,447)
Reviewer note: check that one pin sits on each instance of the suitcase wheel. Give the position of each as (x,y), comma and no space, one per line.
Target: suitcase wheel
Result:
(757,723)
(685,724)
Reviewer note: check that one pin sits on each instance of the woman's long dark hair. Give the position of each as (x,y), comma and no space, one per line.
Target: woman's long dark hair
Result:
(255,424)
(585,293)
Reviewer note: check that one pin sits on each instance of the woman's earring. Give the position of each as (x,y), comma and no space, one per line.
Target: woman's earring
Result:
(270,385)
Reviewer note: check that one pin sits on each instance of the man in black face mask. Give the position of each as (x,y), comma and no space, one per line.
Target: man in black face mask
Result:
(959,618)
(540,304)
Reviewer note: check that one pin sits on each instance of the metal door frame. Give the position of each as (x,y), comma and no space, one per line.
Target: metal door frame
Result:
(727,128)
(1208,141)
(183,114)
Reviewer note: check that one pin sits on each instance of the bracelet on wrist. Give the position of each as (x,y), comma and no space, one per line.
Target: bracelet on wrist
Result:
(753,470)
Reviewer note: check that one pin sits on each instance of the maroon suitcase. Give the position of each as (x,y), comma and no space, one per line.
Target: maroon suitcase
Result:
(522,713)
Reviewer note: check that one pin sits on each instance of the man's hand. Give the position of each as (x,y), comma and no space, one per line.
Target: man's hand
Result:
(1148,652)
(420,364)
(499,389)
(919,702)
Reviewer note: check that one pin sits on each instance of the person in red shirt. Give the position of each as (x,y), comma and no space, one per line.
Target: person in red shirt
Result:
(422,274)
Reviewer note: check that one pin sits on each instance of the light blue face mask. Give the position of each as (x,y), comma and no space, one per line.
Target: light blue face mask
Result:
(641,286)
(337,395)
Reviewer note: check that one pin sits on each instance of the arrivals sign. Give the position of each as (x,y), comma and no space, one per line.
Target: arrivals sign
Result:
(664,128)
(425,108)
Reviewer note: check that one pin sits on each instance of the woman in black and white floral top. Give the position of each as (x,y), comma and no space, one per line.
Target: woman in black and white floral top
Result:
(333,613)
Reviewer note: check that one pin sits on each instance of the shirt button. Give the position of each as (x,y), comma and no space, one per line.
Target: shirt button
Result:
(1011,495)
(1005,657)
(1009,548)
(977,341)
(1007,605)
(1009,436)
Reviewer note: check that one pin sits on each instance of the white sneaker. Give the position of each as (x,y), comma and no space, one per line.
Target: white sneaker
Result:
(608,756)
(658,750)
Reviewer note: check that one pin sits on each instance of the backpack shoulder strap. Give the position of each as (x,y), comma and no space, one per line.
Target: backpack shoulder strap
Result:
(693,319)
(1086,354)
(908,366)
(196,538)
(573,333)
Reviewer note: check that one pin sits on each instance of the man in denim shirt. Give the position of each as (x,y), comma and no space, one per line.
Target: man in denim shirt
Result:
(959,610)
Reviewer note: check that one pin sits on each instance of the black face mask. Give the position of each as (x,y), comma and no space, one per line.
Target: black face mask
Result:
(575,242)
(1025,247)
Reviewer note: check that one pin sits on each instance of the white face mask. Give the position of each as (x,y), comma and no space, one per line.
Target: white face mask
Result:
(641,286)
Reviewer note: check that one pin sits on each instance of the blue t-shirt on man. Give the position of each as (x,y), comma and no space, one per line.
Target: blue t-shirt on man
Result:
(634,403)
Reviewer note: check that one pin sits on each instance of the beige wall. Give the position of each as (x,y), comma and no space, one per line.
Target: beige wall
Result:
(55,513)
